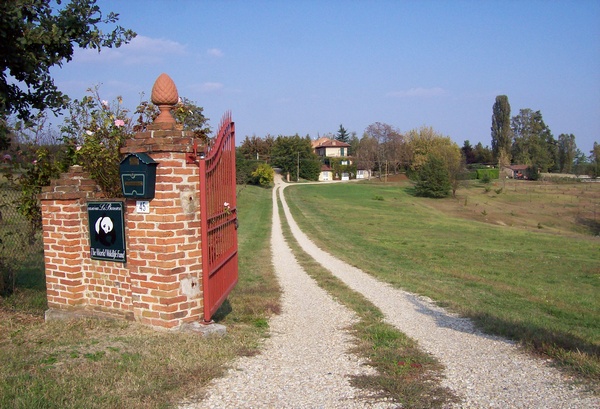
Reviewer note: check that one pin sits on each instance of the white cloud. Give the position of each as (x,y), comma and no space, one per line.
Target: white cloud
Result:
(207,87)
(418,93)
(141,50)
(215,52)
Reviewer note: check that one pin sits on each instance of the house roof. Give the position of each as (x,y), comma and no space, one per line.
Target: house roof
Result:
(325,168)
(319,141)
(518,167)
(330,143)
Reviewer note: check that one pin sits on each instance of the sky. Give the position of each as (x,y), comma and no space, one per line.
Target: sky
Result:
(307,67)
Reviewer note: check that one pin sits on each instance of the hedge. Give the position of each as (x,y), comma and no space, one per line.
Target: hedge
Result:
(492,173)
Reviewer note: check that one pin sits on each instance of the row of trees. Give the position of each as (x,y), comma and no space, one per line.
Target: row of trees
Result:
(382,148)
(294,155)
(526,139)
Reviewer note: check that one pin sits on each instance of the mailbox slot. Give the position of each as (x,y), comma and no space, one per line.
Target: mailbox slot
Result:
(138,176)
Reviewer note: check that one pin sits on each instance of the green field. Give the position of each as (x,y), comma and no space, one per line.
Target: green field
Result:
(538,287)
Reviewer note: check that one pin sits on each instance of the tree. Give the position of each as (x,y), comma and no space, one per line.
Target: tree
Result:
(294,155)
(382,135)
(425,142)
(397,152)
(501,131)
(483,154)
(36,36)
(595,160)
(566,152)
(580,163)
(366,153)
(257,148)
(432,178)
(342,135)
(468,153)
(533,143)
(354,143)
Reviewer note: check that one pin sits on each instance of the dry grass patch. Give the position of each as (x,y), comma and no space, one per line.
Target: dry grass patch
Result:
(559,208)
(115,364)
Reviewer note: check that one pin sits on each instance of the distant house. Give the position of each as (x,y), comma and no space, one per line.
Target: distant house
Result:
(331,148)
(337,161)
(326,173)
(363,174)
(515,171)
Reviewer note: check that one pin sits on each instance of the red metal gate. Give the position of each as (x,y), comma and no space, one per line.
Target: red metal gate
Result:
(219,219)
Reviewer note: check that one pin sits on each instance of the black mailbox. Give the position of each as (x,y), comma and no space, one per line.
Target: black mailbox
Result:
(138,176)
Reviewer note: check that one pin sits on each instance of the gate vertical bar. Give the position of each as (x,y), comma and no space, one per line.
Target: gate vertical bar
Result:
(218,206)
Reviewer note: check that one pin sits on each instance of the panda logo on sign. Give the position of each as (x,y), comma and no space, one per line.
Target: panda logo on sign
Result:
(105,232)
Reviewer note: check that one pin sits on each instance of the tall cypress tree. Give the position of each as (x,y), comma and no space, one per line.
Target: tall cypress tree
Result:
(501,130)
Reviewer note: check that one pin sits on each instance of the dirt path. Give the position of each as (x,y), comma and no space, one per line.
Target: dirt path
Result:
(305,363)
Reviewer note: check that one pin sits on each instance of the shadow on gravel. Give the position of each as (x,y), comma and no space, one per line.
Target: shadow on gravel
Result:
(540,339)
(570,352)
(491,327)
(445,320)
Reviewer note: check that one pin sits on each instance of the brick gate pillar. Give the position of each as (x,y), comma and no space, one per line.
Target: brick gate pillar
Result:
(164,246)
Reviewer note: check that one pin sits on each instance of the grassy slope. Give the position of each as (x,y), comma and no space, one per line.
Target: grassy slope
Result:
(539,288)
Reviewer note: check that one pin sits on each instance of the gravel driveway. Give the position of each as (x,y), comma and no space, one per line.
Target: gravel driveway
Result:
(305,363)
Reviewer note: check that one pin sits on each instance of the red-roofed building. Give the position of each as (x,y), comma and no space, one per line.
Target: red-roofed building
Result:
(331,148)
(515,171)
(337,162)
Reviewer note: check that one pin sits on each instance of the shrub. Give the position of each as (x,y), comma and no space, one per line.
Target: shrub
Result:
(92,135)
(532,173)
(488,174)
(94,132)
(263,175)
(433,179)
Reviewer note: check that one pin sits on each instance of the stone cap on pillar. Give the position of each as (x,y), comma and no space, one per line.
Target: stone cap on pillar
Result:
(164,134)
(164,96)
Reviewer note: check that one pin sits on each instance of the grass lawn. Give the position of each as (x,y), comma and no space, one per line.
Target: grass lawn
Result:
(537,285)
(115,364)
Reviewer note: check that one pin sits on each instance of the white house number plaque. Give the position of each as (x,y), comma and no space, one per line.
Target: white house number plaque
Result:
(142,206)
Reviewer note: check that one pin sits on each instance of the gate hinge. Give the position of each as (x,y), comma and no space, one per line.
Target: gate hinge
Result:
(194,157)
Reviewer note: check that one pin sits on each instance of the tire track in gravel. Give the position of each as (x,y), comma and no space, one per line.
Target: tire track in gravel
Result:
(485,371)
(305,362)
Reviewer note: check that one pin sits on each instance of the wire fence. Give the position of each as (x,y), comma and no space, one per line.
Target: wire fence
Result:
(21,248)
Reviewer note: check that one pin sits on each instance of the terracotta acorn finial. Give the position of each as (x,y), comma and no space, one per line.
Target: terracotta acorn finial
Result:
(165,96)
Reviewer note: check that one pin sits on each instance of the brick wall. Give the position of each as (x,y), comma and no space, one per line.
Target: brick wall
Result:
(160,284)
